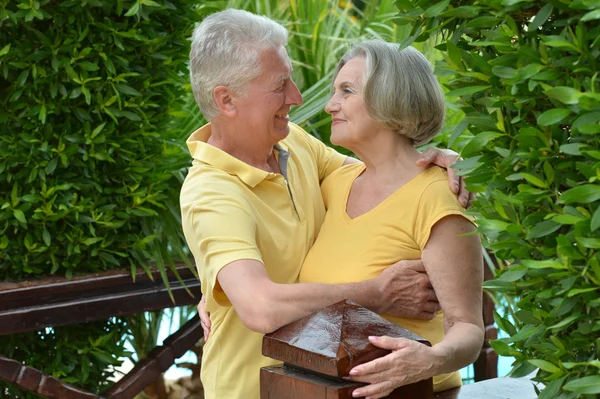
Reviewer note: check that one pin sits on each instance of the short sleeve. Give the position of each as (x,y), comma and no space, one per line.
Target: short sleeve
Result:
(327,158)
(225,231)
(437,201)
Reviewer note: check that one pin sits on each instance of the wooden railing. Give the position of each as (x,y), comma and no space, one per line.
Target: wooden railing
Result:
(49,302)
(30,305)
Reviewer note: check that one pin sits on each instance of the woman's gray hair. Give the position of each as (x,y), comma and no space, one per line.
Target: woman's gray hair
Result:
(400,89)
(225,51)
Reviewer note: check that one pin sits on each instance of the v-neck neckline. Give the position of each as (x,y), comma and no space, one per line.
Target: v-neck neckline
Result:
(382,204)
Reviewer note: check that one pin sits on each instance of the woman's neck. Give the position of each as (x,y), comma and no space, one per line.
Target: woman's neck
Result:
(389,160)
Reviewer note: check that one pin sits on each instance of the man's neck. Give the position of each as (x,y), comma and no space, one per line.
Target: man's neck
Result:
(252,152)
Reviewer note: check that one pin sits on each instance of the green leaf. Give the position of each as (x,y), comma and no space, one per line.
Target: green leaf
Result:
(466,91)
(514,274)
(586,385)
(5,50)
(92,240)
(436,9)
(543,264)
(125,89)
(544,365)
(491,224)
(478,142)
(536,181)
(22,78)
(42,115)
(103,357)
(46,237)
(542,229)
(552,389)
(593,243)
(19,215)
(3,242)
(49,169)
(572,149)
(522,370)
(553,116)
(150,3)
(541,17)
(565,322)
(595,220)
(566,95)
(578,291)
(462,12)
(109,258)
(562,44)
(88,66)
(133,10)
(582,194)
(504,72)
(595,14)
(454,53)
(501,348)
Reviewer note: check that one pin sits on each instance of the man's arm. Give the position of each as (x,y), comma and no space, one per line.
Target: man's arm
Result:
(264,306)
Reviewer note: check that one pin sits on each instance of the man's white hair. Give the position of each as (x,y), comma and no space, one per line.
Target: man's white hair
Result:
(225,51)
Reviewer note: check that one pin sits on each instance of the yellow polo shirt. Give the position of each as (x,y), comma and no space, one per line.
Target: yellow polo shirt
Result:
(352,250)
(232,211)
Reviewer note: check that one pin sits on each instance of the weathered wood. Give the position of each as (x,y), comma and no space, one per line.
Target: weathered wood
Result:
(30,305)
(333,340)
(42,384)
(286,382)
(486,365)
(321,348)
(158,361)
(279,382)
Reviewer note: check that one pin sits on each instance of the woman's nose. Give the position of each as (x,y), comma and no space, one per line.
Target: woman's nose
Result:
(332,105)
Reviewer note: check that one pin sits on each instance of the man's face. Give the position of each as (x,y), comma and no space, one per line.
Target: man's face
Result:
(268,98)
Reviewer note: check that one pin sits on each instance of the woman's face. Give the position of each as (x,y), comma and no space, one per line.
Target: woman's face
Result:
(351,123)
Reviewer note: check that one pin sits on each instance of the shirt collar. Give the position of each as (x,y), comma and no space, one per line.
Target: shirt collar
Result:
(208,154)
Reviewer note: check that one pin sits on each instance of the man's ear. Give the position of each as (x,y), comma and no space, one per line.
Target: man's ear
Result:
(224,98)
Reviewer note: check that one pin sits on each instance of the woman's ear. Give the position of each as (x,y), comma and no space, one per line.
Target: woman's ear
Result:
(224,99)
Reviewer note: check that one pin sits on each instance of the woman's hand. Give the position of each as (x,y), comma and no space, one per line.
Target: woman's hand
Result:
(204,318)
(445,159)
(409,362)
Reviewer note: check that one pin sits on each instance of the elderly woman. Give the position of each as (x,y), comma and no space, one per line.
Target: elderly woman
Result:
(384,103)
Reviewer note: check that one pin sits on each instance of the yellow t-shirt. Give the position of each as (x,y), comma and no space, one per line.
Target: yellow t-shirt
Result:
(352,250)
(232,211)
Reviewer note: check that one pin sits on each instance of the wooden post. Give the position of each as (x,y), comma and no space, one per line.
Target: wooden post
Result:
(320,349)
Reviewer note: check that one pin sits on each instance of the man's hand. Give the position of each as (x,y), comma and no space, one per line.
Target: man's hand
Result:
(445,159)
(407,291)
(204,318)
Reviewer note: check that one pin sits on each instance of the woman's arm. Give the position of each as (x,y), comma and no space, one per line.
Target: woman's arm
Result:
(455,267)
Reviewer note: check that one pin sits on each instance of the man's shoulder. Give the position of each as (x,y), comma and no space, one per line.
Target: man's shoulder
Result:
(207,181)
(297,137)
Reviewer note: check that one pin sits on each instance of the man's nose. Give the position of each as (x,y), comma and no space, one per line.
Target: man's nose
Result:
(293,95)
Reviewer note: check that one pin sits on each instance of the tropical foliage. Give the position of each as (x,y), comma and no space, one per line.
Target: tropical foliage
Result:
(89,169)
(525,75)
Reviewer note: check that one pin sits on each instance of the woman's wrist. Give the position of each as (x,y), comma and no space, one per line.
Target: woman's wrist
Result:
(441,359)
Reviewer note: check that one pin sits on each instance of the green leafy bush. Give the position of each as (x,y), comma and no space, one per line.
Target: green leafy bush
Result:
(88,172)
(525,74)
(91,93)
(85,355)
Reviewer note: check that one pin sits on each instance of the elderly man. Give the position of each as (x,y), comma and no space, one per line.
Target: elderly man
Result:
(252,207)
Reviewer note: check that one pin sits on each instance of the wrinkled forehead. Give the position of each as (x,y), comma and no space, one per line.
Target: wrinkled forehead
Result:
(352,71)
